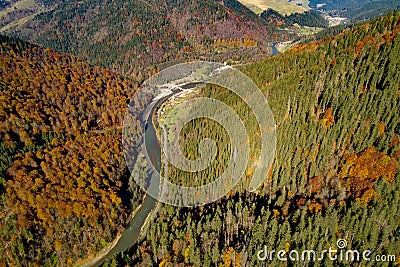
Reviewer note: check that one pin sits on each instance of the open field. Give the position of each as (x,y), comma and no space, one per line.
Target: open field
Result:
(22,4)
(20,13)
(17,19)
(282,6)
(305,30)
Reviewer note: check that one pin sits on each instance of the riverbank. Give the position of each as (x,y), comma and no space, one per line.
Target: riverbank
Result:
(141,217)
(102,254)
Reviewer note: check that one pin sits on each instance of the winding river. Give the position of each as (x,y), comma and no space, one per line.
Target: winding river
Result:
(131,234)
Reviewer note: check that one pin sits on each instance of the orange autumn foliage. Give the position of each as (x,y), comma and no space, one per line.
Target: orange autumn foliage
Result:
(360,171)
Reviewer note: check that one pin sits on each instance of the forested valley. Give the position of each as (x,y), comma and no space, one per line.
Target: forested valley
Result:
(137,38)
(66,193)
(336,172)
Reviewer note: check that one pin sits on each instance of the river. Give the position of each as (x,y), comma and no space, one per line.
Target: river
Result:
(274,50)
(131,234)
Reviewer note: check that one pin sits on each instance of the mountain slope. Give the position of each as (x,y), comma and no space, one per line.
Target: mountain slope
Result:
(336,173)
(308,18)
(63,180)
(17,12)
(282,6)
(355,9)
(65,191)
(132,37)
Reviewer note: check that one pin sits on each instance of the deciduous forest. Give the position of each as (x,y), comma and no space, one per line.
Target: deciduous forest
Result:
(63,177)
(65,189)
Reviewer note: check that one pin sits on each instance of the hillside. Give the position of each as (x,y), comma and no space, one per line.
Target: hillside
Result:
(284,7)
(63,180)
(308,18)
(336,171)
(14,13)
(355,9)
(65,189)
(134,37)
